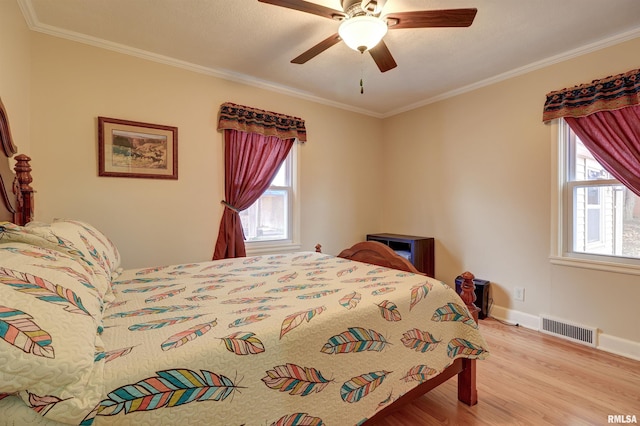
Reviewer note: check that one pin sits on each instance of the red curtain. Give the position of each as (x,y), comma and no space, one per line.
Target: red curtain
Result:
(605,114)
(251,162)
(256,144)
(613,137)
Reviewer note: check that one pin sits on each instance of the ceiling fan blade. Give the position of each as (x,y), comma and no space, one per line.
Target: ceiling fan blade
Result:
(305,6)
(317,49)
(431,18)
(382,56)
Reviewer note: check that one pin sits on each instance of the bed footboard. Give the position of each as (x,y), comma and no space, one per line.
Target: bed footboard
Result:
(377,253)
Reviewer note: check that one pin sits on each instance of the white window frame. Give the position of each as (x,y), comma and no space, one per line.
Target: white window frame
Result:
(562,210)
(255,248)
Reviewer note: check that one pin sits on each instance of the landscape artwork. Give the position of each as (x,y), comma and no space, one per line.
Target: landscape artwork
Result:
(138,150)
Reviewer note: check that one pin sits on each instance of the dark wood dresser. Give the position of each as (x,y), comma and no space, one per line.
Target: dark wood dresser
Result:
(418,250)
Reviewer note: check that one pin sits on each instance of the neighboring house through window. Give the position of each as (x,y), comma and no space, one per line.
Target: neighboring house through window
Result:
(598,217)
(271,222)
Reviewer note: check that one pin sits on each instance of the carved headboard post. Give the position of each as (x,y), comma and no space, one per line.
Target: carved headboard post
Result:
(16,201)
(468,294)
(24,191)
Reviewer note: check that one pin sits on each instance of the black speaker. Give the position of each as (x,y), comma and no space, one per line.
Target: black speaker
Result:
(482,295)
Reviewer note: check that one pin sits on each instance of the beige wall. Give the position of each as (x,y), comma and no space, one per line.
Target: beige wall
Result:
(163,221)
(474,171)
(14,71)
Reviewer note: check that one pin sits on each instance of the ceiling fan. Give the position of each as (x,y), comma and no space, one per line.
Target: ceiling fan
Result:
(363,18)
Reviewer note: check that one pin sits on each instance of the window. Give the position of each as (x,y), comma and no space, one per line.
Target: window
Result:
(269,222)
(598,217)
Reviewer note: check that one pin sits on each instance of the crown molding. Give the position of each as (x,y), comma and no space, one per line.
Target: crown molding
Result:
(34,24)
(583,50)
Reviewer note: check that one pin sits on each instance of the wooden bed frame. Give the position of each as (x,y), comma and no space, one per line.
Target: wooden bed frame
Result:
(377,253)
(17,204)
(16,193)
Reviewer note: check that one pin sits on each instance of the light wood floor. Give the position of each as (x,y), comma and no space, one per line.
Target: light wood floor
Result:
(533,379)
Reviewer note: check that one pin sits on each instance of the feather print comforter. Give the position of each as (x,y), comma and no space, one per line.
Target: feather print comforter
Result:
(295,339)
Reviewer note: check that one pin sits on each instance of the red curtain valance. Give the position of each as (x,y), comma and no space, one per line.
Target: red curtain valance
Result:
(607,94)
(265,123)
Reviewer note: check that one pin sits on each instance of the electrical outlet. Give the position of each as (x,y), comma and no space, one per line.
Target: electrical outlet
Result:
(518,294)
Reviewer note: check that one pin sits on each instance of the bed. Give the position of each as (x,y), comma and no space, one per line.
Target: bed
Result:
(293,339)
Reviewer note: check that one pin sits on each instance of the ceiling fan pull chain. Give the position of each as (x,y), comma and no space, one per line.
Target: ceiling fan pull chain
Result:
(361,73)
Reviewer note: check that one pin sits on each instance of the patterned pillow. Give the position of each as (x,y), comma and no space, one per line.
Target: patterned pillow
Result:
(50,319)
(85,238)
(74,238)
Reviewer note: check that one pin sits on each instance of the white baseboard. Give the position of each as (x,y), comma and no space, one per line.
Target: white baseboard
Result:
(516,317)
(618,346)
(606,342)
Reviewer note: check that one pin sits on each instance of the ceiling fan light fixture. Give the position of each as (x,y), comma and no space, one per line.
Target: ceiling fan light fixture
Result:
(363,32)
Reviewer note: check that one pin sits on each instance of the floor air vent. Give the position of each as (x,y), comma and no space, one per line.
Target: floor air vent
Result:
(566,330)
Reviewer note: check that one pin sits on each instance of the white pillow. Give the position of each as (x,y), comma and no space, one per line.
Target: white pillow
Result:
(50,319)
(78,239)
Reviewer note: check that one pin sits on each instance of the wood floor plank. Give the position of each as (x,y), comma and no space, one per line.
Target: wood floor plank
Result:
(532,379)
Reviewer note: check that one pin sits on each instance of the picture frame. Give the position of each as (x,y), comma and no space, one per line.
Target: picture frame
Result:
(137,150)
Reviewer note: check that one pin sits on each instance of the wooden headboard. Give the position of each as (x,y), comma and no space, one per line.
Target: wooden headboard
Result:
(16,193)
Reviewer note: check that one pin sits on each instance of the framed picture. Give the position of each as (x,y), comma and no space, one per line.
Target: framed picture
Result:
(137,150)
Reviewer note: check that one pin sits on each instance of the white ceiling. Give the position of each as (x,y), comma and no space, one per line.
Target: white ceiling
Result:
(252,42)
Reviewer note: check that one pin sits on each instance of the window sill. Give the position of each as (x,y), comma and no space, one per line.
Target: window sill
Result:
(619,268)
(271,247)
